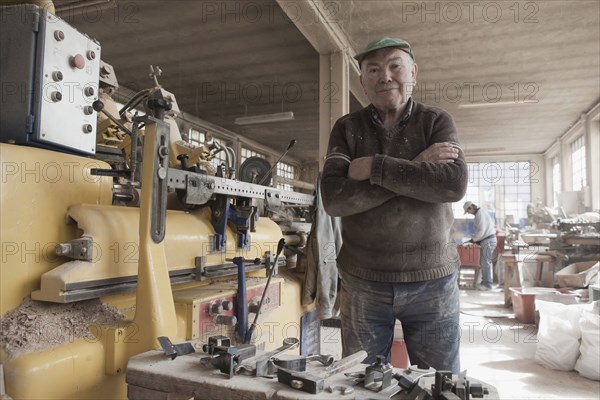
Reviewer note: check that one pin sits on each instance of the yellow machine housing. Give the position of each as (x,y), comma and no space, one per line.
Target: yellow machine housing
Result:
(49,198)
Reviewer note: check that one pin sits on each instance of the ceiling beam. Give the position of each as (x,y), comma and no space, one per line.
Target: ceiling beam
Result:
(313,20)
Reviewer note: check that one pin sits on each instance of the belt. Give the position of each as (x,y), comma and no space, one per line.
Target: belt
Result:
(486,238)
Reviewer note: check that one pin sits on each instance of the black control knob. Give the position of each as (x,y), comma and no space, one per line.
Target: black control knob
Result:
(227,305)
(183,159)
(228,320)
(216,309)
(253,308)
(98,105)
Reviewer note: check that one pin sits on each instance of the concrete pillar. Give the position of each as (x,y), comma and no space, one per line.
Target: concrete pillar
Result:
(592,160)
(334,92)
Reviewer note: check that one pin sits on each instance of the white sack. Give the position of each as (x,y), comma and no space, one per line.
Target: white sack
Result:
(558,335)
(588,365)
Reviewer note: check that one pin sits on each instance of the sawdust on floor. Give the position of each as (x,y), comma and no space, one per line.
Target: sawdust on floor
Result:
(35,325)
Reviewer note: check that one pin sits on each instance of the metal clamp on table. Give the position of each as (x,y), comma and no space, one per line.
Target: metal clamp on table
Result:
(157,376)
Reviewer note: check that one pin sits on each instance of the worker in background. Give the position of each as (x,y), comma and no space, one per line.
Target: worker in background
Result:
(391,171)
(484,236)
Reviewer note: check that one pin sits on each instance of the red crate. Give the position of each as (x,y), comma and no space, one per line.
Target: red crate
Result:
(523,302)
(469,255)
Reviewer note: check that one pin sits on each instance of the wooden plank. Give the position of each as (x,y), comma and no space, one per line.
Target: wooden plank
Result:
(153,376)
(140,393)
(187,376)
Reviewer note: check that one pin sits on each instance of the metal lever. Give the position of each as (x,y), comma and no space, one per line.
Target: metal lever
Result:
(98,106)
(250,330)
(291,144)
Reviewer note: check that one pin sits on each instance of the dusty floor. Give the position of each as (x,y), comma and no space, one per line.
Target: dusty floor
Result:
(498,350)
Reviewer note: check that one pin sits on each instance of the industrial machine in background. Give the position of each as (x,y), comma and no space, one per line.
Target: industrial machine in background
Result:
(116,232)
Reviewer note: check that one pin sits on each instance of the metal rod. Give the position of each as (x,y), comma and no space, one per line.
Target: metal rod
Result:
(291,144)
(250,331)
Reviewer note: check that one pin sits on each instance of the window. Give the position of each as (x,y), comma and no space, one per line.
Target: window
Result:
(578,163)
(196,138)
(556,181)
(503,188)
(247,153)
(285,171)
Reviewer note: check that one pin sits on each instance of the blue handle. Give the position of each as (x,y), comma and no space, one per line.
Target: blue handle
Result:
(242,302)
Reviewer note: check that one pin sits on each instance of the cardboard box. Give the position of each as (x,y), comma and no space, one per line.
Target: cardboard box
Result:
(578,275)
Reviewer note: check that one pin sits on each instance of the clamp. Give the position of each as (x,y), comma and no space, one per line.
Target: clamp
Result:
(223,356)
(444,388)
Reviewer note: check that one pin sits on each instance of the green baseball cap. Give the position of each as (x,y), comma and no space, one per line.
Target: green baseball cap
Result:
(383,43)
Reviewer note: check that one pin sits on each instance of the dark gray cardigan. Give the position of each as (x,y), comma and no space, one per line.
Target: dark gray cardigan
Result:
(397,226)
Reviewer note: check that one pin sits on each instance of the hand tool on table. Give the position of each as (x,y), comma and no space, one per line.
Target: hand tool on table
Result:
(343,389)
(312,383)
(260,366)
(377,376)
(174,350)
(444,388)
(299,364)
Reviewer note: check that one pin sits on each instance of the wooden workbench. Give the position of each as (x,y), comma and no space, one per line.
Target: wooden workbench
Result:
(512,265)
(153,376)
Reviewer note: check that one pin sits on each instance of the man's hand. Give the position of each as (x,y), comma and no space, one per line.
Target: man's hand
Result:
(360,168)
(444,153)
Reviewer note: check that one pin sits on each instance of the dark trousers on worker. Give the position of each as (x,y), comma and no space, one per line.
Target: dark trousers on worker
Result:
(428,310)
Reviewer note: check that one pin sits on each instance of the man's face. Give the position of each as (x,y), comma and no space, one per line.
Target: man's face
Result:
(388,77)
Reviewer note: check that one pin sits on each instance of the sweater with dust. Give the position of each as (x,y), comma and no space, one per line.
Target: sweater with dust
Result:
(396,226)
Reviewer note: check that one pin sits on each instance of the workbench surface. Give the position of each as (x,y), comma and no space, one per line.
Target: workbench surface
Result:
(154,376)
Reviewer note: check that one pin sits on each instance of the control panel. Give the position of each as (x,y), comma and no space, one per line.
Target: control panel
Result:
(49,80)
(211,310)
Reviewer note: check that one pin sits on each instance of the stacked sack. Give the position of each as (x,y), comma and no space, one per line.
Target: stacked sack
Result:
(588,364)
(569,337)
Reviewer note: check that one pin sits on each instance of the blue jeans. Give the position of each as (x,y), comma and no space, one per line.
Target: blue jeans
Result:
(485,260)
(428,310)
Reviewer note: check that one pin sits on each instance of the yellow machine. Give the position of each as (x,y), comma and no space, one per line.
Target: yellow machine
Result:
(86,281)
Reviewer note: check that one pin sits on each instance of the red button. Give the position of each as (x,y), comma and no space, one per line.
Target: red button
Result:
(77,61)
